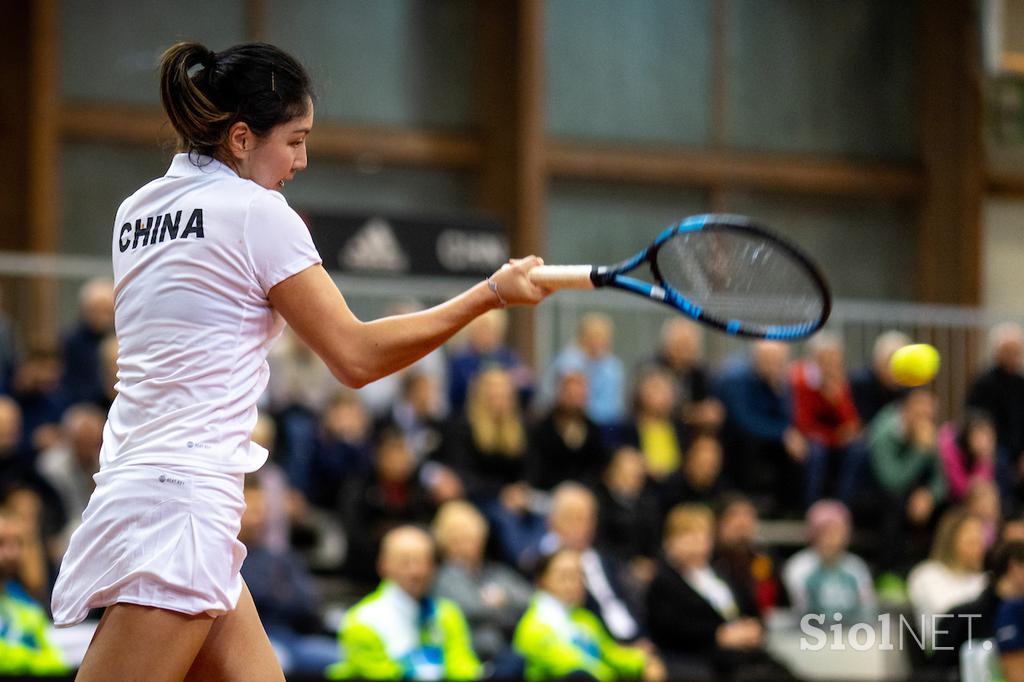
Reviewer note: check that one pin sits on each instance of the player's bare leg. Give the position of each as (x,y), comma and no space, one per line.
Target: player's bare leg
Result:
(143,644)
(237,648)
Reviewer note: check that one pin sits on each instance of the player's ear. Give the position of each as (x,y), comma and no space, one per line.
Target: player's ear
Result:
(240,140)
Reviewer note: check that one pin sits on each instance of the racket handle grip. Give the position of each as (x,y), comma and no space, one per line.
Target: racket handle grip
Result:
(562,276)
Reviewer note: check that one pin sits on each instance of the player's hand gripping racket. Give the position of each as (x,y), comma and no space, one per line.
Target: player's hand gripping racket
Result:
(722,270)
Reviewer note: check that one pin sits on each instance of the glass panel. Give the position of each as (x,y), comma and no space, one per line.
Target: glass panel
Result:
(589,222)
(95,179)
(324,186)
(396,62)
(110,50)
(879,234)
(629,71)
(806,76)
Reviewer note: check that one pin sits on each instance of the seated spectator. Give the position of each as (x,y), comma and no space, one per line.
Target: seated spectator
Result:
(70,465)
(999,392)
(968,452)
(740,560)
(954,573)
(416,415)
(566,445)
(42,400)
(976,619)
(300,389)
(681,353)
(8,350)
(606,377)
(18,471)
(826,578)
(487,451)
(572,524)
(402,631)
(654,428)
(1009,619)
(699,479)
(379,396)
(905,462)
(285,507)
(83,380)
(388,496)
(628,514)
(341,452)
(697,618)
(765,452)
(283,591)
(416,412)
(873,386)
(824,412)
(25,646)
(492,596)
(982,501)
(485,348)
(108,370)
(562,639)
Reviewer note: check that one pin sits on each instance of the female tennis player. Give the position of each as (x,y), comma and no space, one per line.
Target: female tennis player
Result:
(207,261)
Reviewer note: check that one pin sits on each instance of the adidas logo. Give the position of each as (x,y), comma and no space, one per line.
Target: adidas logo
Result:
(374,247)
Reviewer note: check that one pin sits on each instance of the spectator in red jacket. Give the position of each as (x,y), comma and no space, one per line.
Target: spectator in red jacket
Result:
(824,411)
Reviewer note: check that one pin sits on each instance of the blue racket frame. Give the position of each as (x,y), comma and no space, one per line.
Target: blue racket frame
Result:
(661,291)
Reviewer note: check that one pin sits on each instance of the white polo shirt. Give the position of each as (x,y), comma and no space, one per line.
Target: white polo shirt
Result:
(195,254)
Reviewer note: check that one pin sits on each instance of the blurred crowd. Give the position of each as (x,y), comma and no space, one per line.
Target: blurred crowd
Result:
(588,519)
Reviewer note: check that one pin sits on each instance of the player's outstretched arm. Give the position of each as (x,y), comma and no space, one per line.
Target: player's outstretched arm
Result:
(359,352)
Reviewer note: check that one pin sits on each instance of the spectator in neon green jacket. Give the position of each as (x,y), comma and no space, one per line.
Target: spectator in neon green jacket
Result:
(558,637)
(400,632)
(25,647)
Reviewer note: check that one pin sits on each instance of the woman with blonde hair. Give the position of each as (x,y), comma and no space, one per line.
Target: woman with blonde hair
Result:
(955,571)
(488,453)
(706,626)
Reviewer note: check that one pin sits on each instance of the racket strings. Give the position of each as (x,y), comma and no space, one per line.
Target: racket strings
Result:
(742,277)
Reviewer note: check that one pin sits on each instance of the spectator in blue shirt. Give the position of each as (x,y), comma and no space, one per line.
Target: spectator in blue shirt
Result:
(485,348)
(765,452)
(606,377)
(82,374)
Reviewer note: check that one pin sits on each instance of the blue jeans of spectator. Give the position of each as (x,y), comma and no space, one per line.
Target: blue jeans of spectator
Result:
(303,654)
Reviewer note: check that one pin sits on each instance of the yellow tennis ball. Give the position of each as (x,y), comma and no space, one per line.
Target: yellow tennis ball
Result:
(914,365)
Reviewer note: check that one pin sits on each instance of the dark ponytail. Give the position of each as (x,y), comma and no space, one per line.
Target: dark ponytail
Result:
(204,93)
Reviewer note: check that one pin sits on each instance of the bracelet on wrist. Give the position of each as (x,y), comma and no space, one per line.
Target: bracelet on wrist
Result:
(493,286)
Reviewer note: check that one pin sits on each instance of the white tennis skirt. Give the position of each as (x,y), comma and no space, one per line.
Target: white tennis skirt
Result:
(155,536)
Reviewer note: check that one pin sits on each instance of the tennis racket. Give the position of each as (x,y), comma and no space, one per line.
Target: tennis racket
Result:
(722,270)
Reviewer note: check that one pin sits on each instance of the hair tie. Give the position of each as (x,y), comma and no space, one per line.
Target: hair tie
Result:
(209,59)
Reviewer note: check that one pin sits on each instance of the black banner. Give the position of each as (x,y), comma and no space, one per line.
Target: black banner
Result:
(397,245)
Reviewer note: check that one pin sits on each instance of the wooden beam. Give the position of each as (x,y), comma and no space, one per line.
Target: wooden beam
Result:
(118,124)
(44,143)
(731,170)
(44,161)
(531,180)
(948,264)
(255,20)
(146,126)
(1004,185)
(530,185)
(395,145)
(15,74)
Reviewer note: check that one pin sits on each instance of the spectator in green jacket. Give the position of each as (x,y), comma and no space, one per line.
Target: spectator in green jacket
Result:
(905,461)
(401,632)
(25,647)
(559,638)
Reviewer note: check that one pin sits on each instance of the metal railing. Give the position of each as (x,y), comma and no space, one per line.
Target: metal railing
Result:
(957,332)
